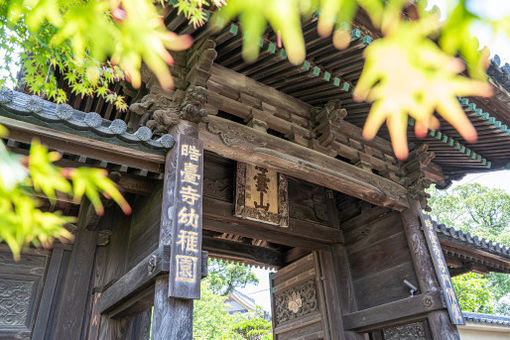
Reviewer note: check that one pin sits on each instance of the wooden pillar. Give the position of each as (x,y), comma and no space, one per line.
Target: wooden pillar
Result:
(439,321)
(339,291)
(172,318)
(114,266)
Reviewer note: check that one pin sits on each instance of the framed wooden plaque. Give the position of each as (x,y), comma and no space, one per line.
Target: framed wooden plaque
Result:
(261,195)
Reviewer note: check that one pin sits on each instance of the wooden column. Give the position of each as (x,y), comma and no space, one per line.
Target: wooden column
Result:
(340,297)
(172,318)
(72,309)
(114,266)
(439,322)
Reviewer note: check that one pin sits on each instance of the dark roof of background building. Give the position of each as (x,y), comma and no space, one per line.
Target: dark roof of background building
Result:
(471,241)
(63,117)
(487,319)
(500,73)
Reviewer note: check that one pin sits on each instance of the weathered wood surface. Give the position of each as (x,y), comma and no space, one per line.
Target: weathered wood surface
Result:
(139,277)
(404,310)
(48,294)
(87,147)
(440,325)
(220,248)
(218,217)
(321,128)
(241,143)
(75,292)
(21,283)
(338,289)
(144,225)
(172,318)
(298,302)
(378,256)
(112,270)
(132,293)
(186,240)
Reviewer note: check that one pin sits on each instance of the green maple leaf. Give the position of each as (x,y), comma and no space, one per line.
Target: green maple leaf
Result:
(407,74)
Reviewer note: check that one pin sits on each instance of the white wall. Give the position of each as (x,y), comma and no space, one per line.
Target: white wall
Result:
(480,331)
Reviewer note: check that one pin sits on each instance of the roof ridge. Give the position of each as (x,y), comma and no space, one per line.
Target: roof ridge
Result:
(487,318)
(466,237)
(21,104)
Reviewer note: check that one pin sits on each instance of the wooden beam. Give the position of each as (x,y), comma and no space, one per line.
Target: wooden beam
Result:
(136,279)
(258,256)
(88,147)
(387,314)
(128,293)
(242,143)
(218,217)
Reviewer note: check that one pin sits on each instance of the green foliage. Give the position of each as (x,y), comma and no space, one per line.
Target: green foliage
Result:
(474,208)
(253,327)
(210,319)
(474,293)
(484,212)
(22,179)
(78,38)
(224,277)
(406,72)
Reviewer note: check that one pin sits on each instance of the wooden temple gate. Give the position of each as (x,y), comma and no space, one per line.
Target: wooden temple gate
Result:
(287,183)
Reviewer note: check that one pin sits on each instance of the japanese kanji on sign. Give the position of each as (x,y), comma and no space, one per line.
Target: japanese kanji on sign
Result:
(186,246)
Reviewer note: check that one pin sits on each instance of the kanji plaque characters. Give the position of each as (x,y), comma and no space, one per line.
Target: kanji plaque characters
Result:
(186,246)
(261,195)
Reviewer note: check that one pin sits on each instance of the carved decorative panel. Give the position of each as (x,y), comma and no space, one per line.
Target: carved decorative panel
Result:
(20,285)
(415,331)
(15,296)
(261,195)
(296,302)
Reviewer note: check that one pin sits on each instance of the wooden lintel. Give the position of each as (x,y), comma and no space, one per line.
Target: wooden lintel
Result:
(79,145)
(242,143)
(132,293)
(218,217)
(404,310)
(247,253)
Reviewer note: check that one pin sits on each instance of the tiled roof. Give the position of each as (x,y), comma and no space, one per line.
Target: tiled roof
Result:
(500,73)
(19,105)
(488,319)
(471,241)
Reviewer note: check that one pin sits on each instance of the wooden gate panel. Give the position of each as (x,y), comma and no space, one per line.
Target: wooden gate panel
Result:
(20,287)
(297,302)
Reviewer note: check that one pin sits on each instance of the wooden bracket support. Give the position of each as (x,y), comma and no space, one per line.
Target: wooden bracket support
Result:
(134,291)
(403,310)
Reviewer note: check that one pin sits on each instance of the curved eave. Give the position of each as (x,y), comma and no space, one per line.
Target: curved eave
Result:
(65,129)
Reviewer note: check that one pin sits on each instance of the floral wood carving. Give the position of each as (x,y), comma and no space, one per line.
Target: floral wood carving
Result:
(296,302)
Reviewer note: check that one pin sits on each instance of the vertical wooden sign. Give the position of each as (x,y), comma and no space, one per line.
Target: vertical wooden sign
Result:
(442,272)
(261,195)
(186,214)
